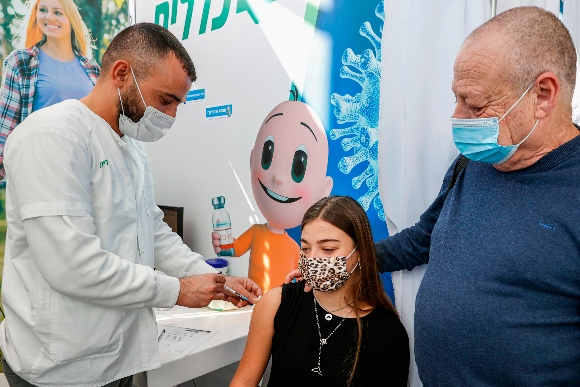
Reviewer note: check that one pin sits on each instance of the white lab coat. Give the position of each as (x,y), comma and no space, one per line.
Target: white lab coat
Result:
(83,237)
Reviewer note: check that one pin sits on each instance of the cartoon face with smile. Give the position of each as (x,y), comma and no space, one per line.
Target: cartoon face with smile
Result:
(288,164)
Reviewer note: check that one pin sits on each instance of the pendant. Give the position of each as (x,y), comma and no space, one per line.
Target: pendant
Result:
(328,317)
(322,341)
(317,371)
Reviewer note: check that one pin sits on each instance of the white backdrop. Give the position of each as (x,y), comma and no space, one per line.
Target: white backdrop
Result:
(248,65)
(571,19)
(420,41)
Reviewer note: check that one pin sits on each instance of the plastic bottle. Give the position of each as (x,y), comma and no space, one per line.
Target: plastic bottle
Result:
(223,226)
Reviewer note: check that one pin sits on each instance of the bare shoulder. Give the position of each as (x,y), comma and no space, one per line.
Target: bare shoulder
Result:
(265,310)
(269,301)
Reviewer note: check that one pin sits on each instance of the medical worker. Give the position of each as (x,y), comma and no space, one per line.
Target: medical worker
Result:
(84,233)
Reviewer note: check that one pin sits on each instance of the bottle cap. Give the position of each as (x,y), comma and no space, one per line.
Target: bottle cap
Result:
(217,263)
(218,201)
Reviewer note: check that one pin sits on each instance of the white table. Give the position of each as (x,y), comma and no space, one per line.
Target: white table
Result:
(224,348)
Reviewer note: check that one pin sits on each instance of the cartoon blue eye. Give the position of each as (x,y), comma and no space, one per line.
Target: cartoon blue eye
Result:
(268,152)
(299,164)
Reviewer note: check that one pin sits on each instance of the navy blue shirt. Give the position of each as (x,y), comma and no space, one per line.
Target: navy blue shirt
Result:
(500,301)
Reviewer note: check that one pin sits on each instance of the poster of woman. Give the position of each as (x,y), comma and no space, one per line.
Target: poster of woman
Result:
(52,60)
(55,64)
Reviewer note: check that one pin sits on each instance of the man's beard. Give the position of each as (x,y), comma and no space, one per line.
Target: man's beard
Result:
(132,103)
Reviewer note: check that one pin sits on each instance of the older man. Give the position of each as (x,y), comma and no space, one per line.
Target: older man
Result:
(84,233)
(500,301)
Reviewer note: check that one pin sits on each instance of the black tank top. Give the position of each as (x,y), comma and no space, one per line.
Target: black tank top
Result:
(384,357)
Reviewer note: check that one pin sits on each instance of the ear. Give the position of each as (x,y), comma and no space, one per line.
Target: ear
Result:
(548,90)
(120,73)
(251,155)
(328,183)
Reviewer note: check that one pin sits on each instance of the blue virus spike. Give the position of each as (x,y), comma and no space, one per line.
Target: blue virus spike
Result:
(360,140)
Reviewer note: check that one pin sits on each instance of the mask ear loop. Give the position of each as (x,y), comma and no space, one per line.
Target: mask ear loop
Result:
(352,252)
(354,268)
(357,264)
(138,89)
(121,99)
(529,134)
(518,101)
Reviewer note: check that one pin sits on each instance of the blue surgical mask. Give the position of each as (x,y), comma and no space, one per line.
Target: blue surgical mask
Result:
(476,138)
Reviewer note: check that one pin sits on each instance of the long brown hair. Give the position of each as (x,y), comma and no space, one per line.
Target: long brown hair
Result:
(347,214)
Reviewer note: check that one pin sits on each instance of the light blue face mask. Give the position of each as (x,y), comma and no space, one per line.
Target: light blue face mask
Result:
(476,138)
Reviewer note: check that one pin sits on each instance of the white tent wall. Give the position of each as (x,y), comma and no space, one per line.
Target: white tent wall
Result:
(571,19)
(420,41)
(249,65)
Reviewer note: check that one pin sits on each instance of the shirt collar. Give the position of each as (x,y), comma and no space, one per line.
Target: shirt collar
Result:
(35,50)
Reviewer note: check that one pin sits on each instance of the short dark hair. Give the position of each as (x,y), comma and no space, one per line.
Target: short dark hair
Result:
(143,44)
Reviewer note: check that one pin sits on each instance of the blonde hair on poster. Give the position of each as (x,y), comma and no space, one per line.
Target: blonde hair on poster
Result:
(80,36)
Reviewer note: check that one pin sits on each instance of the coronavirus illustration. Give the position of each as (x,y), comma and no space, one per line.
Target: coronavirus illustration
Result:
(360,140)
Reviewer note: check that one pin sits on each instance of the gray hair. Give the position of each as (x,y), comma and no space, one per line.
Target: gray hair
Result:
(536,42)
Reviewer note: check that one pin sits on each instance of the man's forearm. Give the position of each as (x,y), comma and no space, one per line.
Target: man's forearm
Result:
(172,256)
(410,247)
(402,251)
(70,259)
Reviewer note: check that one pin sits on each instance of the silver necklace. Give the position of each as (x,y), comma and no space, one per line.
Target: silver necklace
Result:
(323,341)
(328,315)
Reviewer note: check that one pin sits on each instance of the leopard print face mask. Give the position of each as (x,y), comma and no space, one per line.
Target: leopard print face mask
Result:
(325,274)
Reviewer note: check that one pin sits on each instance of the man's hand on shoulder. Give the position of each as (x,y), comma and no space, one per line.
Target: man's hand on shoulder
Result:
(297,275)
(199,290)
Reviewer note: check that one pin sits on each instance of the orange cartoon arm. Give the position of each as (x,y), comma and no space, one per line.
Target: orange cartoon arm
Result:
(244,242)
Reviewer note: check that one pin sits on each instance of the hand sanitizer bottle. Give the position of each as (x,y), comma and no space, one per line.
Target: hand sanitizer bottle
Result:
(223,226)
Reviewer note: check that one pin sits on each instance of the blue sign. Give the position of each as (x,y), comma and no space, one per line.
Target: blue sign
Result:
(195,95)
(217,112)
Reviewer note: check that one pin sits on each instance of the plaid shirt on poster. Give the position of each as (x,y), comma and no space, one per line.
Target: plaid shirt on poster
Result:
(19,78)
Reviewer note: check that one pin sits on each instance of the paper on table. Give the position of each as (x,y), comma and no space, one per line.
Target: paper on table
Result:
(181,340)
